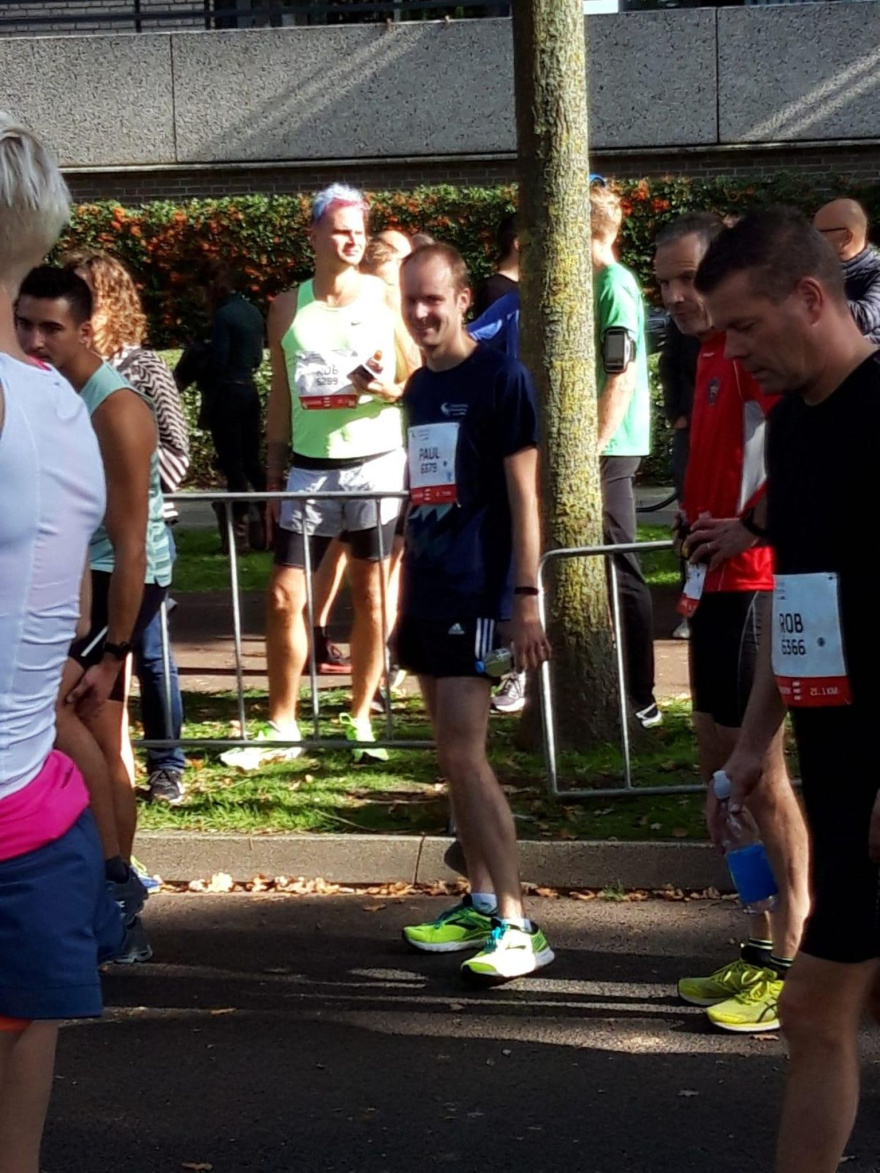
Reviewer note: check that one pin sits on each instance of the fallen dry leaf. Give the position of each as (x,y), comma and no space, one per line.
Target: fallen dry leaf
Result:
(221,882)
(373,907)
(197,1166)
(687,1091)
(679,832)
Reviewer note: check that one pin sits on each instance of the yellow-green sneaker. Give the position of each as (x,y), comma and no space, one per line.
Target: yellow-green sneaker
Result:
(753,1011)
(460,927)
(726,982)
(362,731)
(509,953)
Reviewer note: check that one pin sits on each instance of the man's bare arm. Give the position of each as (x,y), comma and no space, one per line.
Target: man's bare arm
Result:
(281,315)
(527,633)
(613,403)
(126,434)
(764,714)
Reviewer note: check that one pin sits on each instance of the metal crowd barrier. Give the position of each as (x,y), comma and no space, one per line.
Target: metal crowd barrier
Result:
(315,741)
(548,722)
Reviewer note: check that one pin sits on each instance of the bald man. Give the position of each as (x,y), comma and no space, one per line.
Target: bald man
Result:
(844,225)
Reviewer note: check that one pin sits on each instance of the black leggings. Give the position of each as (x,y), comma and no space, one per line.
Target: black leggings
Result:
(235,429)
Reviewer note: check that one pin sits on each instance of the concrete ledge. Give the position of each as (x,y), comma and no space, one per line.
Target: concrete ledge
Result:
(377,859)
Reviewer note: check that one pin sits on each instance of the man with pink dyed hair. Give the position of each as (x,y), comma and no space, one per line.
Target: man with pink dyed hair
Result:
(338,371)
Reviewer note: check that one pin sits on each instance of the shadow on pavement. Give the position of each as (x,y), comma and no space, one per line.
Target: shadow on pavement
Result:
(279,1034)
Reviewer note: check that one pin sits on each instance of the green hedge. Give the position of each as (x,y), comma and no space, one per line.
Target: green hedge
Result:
(264,238)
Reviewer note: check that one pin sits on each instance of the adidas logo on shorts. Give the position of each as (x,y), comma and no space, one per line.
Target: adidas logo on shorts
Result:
(456,629)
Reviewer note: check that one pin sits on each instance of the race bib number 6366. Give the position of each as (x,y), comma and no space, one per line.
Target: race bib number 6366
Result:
(808,656)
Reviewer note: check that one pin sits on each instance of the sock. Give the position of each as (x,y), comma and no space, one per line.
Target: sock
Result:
(780,965)
(518,922)
(116,869)
(756,952)
(484,902)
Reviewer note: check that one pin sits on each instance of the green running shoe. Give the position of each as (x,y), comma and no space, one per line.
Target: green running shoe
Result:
(753,1011)
(726,982)
(251,757)
(461,927)
(362,731)
(509,953)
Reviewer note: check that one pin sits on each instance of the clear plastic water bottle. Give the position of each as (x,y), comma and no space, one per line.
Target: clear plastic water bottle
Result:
(749,866)
(497,664)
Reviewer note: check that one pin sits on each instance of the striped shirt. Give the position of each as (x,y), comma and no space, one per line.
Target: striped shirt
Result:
(148,373)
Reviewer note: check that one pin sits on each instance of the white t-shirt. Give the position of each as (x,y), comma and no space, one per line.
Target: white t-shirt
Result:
(52,498)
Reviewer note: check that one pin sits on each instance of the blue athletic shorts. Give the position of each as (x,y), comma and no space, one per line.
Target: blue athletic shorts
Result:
(58,923)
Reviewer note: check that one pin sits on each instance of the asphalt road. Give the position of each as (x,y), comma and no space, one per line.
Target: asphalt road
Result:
(296,1034)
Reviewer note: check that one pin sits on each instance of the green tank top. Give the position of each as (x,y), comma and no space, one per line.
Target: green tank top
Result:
(323,345)
(100,386)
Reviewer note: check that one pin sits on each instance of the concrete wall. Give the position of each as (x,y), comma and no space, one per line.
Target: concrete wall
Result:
(659,80)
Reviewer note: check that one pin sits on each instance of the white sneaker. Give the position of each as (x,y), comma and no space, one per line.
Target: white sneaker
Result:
(682,631)
(251,757)
(511,696)
(509,953)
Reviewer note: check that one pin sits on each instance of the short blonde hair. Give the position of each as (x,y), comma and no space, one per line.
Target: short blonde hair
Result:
(606,213)
(450,256)
(34,202)
(118,318)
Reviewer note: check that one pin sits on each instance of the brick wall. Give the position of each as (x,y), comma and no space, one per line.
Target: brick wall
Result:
(861,162)
(95,16)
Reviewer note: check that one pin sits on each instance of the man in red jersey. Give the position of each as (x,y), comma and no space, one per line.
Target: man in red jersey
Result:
(730,578)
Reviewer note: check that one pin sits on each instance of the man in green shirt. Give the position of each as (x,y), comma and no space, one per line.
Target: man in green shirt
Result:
(624,436)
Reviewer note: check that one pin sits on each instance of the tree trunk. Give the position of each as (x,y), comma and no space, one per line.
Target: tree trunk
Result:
(557,345)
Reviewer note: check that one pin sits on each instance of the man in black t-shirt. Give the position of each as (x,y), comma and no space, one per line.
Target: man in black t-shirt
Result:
(774,285)
(469,588)
(505,279)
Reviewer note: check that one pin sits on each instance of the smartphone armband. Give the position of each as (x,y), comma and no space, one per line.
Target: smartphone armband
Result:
(618,349)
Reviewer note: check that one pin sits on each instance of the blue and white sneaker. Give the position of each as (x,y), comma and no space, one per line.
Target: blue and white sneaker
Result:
(151,883)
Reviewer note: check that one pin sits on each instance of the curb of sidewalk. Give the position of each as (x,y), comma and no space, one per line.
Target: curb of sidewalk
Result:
(380,859)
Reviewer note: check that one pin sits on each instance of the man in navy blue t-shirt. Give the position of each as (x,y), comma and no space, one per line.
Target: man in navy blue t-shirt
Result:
(469,586)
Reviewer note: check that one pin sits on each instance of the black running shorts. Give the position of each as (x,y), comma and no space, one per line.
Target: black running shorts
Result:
(89,650)
(364,545)
(444,647)
(838,766)
(723,651)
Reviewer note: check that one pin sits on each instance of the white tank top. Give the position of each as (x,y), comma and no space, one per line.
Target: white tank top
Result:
(52,498)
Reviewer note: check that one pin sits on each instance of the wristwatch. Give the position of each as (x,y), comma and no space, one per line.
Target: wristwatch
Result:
(118,651)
